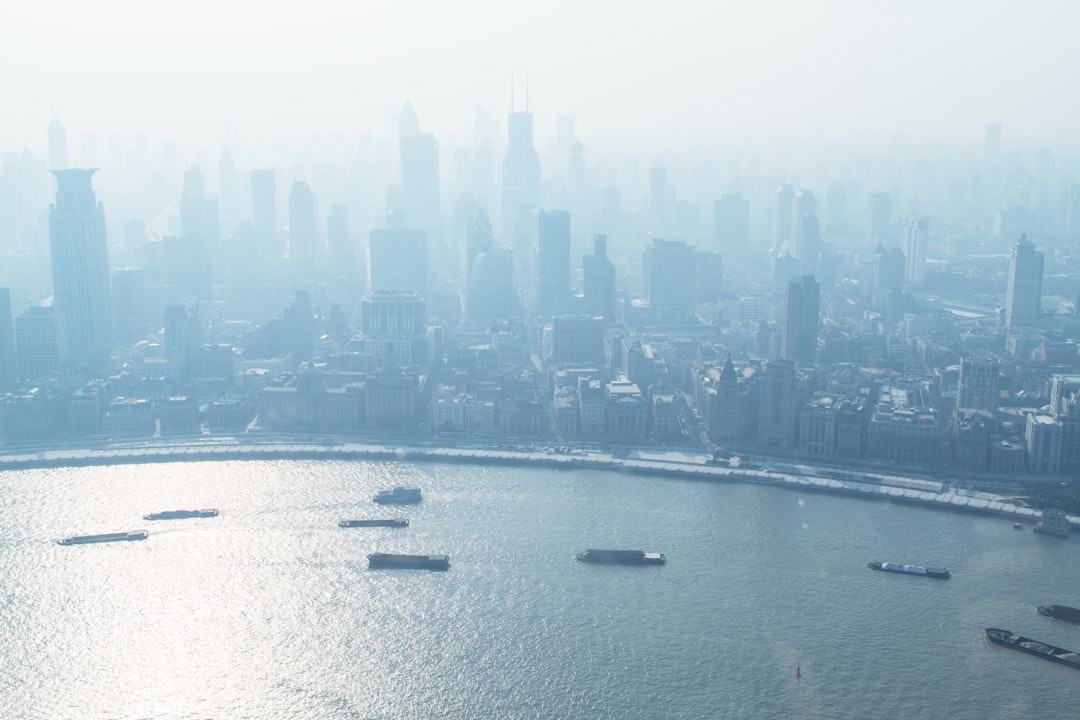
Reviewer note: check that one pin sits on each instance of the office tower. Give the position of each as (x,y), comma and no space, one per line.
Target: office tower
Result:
(398,257)
(419,171)
(599,278)
(808,244)
(58,152)
(229,191)
(264,209)
(577,339)
(198,214)
(805,205)
(877,217)
(303,224)
(777,409)
(1024,293)
(836,210)
(129,304)
(80,265)
(553,262)
(479,239)
(916,236)
(8,362)
(785,204)
(521,171)
(668,268)
(731,224)
(339,245)
(491,295)
(183,342)
(888,271)
(658,195)
(801,320)
(708,276)
(39,346)
(979,386)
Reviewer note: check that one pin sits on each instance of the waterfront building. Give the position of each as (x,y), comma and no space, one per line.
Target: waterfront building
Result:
(8,360)
(777,414)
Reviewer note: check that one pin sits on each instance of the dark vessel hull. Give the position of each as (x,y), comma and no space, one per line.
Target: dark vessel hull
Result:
(621,557)
(918,570)
(1061,612)
(107,537)
(1033,647)
(181,514)
(409,562)
(398,496)
(390,522)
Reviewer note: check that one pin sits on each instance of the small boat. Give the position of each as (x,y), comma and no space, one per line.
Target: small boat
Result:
(1053,522)
(388,522)
(1061,612)
(398,496)
(1033,647)
(181,514)
(409,562)
(939,573)
(106,537)
(621,557)
(1017,526)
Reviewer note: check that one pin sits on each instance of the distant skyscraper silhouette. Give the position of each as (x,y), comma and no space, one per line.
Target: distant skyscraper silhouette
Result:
(1024,293)
(808,244)
(264,207)
(491,294)
(731,224)
(916,236)
(199,218)
(80,265)
(8,365)
(668,271)
(785,204)
(805,205)
(836,210)
(521,171)
(599,278)
(553,262)
(878,211)
(229,191)
(38,343)
(303,224)
(479,238)
(58,150)
(398,256)
(338,243)
(419,171)
(129,304)
(801,320)
(658,201)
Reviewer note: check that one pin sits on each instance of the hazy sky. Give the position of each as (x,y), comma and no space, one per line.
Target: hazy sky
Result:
(688,71)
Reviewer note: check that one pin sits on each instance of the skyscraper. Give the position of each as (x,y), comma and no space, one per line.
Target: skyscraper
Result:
(801,320)
(478,239)
(80,265)
(916,235)
(58,152)
(338,243)
(398,257)
(553,262)
(878,208)
(419,171)
(777,409)
(199,218)
(38,342)
(979,385)
(264,208)
(229,191)
(731,224)
(599,278)
(491,292)
(8,367)
(1024,293)
(521,171)
(808,244)
(303,224)
(668,271)
(785,203)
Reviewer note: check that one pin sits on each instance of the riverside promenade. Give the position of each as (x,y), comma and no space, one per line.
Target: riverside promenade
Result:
(674,463)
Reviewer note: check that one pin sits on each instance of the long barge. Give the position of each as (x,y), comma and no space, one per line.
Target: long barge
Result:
(106,537)
(1052,653)
(939,573)
(408,562)
(383,522)
(181,514)
(621,557)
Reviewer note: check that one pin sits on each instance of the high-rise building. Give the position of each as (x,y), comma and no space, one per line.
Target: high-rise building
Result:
(785,204)
(183,342)
(39,346)
(264,207)
(521,171)
(80,265)
(668,268)
(553,262)
(801,320)
(979,386)
(777,409)
(1024,293)
(338,243)
(878,209)
(58,151)
(199,219)
(419,171)
(491,294)
(804,206)
(916,236)
(303,224)
(599,278)
(836,210)
(398,257)
(479,238)
(731,224)
(808,244)
(9,369)
(658,201)
(129,304)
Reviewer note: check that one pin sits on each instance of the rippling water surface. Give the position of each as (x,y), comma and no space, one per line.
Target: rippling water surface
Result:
(269,610)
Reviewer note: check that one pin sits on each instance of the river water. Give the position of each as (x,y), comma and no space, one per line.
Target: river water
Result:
(269,610)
